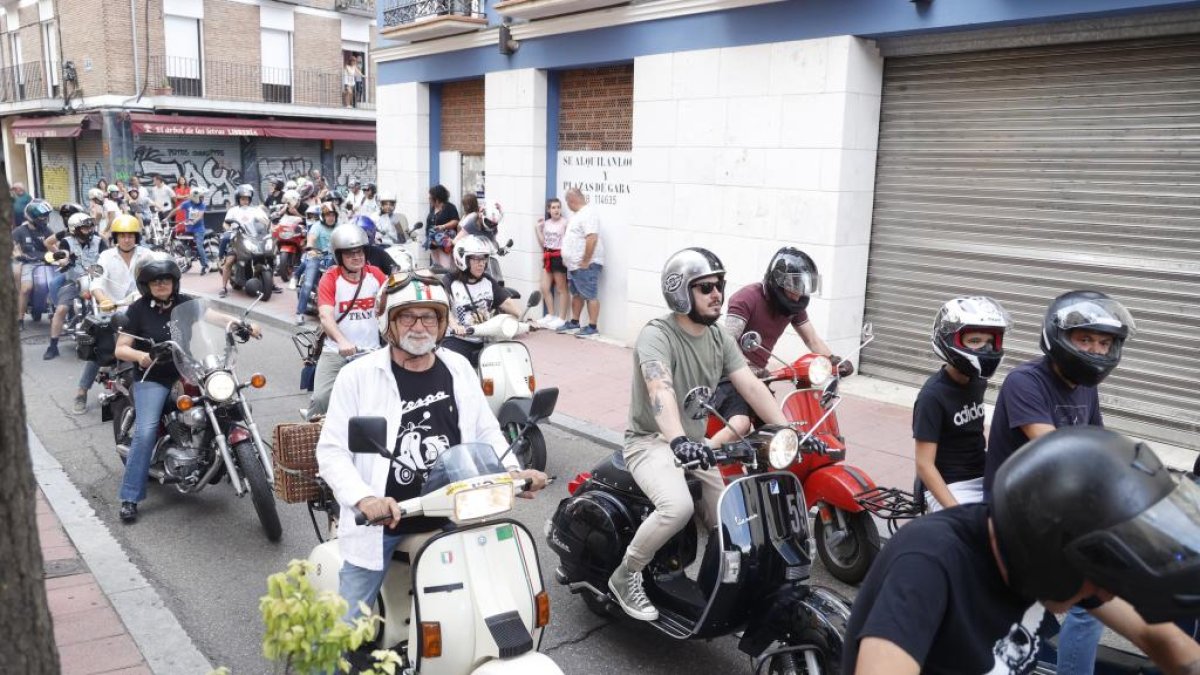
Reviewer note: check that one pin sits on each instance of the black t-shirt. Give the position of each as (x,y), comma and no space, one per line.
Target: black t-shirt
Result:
(377,256)
(447,213)
(1032,394)
(154,323)
(31,241)
(951,415)
(428,427)
(936,592)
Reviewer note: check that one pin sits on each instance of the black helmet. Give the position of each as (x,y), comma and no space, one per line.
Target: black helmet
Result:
(38,212)
(157,267)
(1085,503)
(277,185)
(791,269)
(369,187)
(1085,310)
(69,209)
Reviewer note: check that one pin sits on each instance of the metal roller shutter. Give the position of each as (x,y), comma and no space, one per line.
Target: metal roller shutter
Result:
(89,159)
(285,159)
(211,162)
(1025,173)
(58,171)
(354,159)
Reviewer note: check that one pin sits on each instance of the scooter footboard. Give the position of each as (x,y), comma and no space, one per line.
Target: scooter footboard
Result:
(529,663)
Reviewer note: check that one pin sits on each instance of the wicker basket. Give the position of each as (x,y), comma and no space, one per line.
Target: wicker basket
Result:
(295,455)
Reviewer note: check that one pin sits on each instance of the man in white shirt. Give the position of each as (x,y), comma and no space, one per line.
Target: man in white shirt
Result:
(242,214)
(583,254)
(112,209)
(355,199)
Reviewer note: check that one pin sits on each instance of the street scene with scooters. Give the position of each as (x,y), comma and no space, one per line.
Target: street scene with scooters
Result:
(441,436)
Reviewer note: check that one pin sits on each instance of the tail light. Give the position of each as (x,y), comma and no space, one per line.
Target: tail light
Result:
(431,639)
(577,481)
(489,386)
(543,609)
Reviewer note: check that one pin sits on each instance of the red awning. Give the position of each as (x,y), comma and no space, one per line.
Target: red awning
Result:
(59,126)
(145,123)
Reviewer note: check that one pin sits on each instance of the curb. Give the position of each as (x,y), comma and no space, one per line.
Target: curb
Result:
(261,317)
(593,432)
(166,647)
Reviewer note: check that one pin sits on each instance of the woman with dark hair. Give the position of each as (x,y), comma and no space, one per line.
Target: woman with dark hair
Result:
(441,225)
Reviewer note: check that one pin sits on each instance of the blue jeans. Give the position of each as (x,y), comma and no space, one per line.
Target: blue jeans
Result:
(148,401)
(88,377)
(223,245)
(198,234)
(310,269)
(1077,642)
(358,584)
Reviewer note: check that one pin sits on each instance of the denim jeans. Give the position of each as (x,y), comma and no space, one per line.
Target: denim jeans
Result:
(198,234)
(223,245)
(311,269)
(358,584)
(88,377)
(1077,642)
(148,401)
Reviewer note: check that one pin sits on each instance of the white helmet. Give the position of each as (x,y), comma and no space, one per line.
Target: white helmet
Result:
(470,245)
(413,289)
(291,197)
(290,185)
(492,215)
(197,192)
(96,194)
(387,197)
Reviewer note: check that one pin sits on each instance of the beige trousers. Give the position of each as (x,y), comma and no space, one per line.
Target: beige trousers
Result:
(652,464)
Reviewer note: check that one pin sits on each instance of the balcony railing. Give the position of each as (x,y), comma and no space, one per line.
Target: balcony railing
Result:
(402,12)
(230,81)
(364,7)
(22,82)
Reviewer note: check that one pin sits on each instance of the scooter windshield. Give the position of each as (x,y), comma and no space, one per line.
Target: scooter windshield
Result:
(461,462)
(202,344)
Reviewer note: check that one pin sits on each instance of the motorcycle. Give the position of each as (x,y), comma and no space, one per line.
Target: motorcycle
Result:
(473,599)
(844,496)
(94,333)
(254,264)
(182,247)
(753,578)
(290,239)
(506,372)
(207,430)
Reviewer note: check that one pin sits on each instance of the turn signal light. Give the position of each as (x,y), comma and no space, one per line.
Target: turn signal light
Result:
(431,639)
(489,386)
(532,382)
(184,403)
(258,380)
(543,609)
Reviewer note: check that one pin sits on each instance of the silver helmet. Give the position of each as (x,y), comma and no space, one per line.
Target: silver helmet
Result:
(346,237)
(681,270)
(978,314)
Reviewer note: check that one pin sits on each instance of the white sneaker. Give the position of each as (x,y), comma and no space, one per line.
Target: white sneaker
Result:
(555,322)
(292,284)
(299,319)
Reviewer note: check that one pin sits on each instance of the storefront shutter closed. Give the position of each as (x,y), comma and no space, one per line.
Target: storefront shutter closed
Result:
(355,159)
(211,162)
(285,159)
(1026,173)
(89,158)
(58,170)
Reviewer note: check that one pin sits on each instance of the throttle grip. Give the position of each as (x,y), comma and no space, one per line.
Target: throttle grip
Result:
(360,518)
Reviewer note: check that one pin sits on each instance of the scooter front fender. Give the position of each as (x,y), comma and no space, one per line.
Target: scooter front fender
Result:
(529,663)
(837,484)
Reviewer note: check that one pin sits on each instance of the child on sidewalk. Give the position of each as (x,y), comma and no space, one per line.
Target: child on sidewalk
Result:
(550,231)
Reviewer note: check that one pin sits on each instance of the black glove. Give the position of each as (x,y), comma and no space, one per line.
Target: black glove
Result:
(844,367)
(692,451)
(61,235)
(60,255)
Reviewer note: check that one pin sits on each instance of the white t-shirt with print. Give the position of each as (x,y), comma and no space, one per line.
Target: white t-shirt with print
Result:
(584,222)
(359,325)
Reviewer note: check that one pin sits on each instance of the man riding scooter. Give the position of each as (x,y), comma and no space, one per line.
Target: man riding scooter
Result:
(29,250)
(242,214)
(83,248)
(442,405)
(675,354)
(474,295)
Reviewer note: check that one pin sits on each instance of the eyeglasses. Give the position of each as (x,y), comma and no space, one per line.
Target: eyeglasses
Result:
(477,258)
(354,253)
(408,319)
(706,287)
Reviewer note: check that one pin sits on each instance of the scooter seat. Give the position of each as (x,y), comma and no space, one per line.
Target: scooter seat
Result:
(613,473)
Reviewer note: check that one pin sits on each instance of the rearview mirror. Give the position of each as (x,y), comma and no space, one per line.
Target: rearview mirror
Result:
(542,405)
(509,244)
(695,404)
(535,299)
(751,341)
(368,436)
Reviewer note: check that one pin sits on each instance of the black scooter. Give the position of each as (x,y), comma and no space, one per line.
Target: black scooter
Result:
(753,577)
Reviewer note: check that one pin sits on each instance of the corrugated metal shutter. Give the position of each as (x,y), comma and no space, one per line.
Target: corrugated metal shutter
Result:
(89,157)
(1025,173)
(285,159)
(354,159)
(58,170)
(211,162)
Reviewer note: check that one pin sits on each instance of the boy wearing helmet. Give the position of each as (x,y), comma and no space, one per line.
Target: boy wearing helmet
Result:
(675,354)
(82,250)
(316,255)
(392,226)
(432,400)
(475,296)
(1082,336)
(116,288)
(968,334)
(1077,515)
(29,249)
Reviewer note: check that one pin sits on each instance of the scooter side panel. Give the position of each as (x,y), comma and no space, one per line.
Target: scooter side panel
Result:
(508,365)
(837,484)
(529,663)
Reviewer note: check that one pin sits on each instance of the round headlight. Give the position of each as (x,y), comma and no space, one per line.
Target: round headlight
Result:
(783,448)
(820,369)
(220,386)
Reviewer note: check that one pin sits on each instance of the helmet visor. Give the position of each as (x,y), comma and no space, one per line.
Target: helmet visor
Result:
(804,283)
(1103,315)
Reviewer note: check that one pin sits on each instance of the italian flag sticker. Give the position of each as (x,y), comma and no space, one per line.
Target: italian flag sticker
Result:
(447,557)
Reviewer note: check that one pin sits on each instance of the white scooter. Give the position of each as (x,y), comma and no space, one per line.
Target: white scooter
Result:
(506,373)
(473,600)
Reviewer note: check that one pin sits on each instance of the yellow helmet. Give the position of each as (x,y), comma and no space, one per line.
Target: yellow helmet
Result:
(126,223)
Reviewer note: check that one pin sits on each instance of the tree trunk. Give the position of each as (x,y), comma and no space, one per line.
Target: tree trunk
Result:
(28,642)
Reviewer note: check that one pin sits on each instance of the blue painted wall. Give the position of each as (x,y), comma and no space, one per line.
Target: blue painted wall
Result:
(775,22)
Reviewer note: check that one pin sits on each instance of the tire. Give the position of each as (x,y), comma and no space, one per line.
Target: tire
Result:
(287,260)
(122,423)
(37,316)
(261,492)
(268,282)
(850,560)
(182,256)
(534,454)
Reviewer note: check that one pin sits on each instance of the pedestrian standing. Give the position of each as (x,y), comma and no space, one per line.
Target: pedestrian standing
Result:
(550,231)
(21,199)
(583,254)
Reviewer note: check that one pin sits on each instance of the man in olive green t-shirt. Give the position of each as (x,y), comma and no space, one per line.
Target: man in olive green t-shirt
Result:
(675,354)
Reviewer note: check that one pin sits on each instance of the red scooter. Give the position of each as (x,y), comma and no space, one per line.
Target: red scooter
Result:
(290,239)
(845,497)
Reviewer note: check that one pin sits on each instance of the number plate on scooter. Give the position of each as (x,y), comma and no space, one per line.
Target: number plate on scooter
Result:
(773,487)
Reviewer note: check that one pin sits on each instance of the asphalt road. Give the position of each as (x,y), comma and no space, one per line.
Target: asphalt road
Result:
(208,559)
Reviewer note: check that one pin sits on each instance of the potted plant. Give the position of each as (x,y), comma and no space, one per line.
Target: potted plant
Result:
(163,88)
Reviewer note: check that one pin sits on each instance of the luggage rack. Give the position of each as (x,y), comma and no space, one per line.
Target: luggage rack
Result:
(890,504)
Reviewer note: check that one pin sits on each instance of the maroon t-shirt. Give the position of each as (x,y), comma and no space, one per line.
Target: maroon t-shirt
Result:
(751,303)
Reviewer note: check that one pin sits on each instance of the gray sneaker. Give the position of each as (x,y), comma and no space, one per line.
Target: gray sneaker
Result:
(627,586)
(80,406)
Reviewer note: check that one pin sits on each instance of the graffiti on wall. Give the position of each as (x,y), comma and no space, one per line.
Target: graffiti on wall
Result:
(355,166)
(282,168)
(89,175)
(206,168)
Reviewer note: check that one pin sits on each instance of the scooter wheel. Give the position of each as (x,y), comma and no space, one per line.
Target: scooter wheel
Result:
(848,553)
(533,455)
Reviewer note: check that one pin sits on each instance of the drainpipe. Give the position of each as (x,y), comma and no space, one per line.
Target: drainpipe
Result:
(137,77)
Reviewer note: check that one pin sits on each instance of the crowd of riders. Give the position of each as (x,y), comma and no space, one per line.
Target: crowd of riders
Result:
(1011,526)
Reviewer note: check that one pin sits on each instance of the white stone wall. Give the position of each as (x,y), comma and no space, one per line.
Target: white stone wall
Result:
(402,142)
(515,167)
(745,149)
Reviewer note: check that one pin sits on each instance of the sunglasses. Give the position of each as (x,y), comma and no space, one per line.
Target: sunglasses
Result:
(706,287)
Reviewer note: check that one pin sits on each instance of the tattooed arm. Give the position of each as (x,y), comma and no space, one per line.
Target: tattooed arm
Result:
(735,326)
(663,404)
